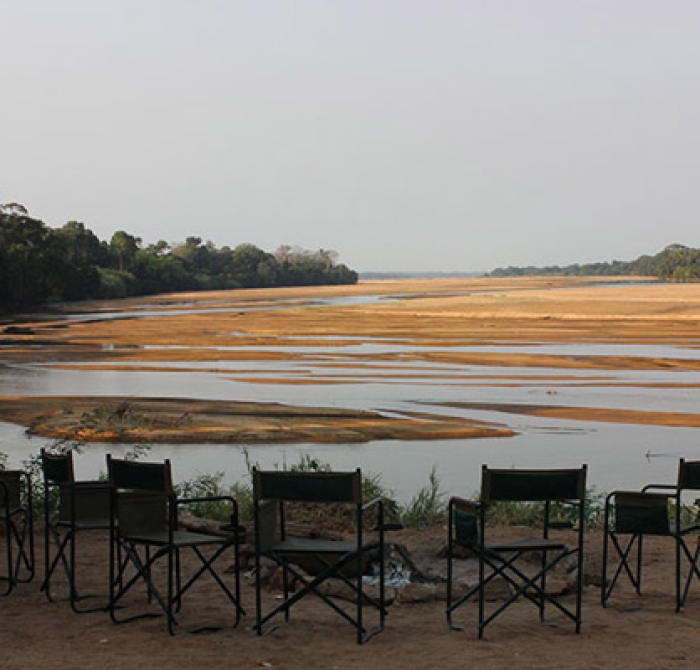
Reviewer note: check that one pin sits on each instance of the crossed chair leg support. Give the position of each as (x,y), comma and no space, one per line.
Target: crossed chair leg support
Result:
(25,555)
(62,544)
(311,586)
(523,585)
(635,576)
(170,604)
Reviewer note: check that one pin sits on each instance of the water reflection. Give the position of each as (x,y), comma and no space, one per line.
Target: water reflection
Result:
(176,309)
(618,456)
(387,375)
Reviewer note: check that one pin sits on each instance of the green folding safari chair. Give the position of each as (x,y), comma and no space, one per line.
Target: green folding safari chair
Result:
(555,490)
(70,507)
(312,561)
(656,510)
(17,527)
(145,536)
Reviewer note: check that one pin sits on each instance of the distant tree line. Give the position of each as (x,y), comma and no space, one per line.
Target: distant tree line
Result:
(675,263)
(40,265)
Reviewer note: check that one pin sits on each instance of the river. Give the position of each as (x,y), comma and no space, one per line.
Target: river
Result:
(618,455)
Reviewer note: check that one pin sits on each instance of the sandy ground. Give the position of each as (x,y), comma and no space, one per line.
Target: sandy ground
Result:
(631,633)
(442,313)
(176,421)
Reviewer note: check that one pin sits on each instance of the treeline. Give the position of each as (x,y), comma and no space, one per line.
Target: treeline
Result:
(40,264)
(675,263)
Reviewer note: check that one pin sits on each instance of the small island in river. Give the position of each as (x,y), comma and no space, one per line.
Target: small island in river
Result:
(182,420)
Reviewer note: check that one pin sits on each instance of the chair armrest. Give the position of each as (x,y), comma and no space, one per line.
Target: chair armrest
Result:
(381,526)
(373,503)
(233,528)
(660,487)
(93,485)
(652,490)
(191,501)
(233,525)
(464,505)
(612,494)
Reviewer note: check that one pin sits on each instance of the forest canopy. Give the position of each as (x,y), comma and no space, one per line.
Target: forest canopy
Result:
(675,263)
(40,264)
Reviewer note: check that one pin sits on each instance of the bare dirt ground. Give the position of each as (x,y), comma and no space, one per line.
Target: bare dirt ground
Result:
(631,633)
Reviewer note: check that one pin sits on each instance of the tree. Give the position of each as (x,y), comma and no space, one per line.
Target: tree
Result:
(83,253)
(39,264)
(31,264)
(124,247)
(252,267)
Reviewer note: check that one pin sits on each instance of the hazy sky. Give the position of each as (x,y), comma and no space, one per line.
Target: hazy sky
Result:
(405,134)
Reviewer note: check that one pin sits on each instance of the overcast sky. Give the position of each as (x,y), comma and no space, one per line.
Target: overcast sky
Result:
(407,135)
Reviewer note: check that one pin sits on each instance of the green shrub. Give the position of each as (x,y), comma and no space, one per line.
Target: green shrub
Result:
(206,486)
(427,507)
(532,514)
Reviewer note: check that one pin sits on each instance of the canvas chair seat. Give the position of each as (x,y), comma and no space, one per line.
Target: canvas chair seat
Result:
(179,539)
(526,544)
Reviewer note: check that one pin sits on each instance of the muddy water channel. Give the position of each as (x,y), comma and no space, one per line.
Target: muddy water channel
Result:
(397,377)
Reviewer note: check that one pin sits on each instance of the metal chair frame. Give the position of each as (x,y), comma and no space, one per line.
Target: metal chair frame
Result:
(655,511)
(272,491)
(145,530)
(70,507)
(467,528)
(18,527)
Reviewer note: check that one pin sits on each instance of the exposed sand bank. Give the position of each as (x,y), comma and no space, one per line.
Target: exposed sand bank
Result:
(444,313)
(173,421)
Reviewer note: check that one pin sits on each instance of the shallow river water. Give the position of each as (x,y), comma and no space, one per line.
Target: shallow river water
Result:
(618,455)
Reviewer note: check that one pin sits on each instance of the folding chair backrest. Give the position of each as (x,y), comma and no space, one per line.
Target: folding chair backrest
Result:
(90,505)
(319,487)
(273,488)
(688,475)
(533,485)
(138,476)
(641,512)
(12,481)
(57,468)
(143,493)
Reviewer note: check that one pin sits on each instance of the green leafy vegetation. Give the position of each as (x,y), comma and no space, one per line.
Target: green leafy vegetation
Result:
(675,263)
(428,507)
(211,486)
(39,264)
(532,514)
